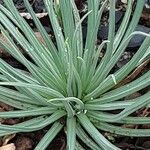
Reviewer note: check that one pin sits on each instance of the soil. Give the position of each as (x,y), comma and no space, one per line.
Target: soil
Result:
(38,5)
(28,141)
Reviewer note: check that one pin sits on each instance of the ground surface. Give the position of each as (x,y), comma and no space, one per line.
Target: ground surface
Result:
(28,141)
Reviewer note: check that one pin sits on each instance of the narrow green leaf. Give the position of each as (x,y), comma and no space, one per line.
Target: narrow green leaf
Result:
(49,136)
(95,134)
(86,139)
(7,129)
(123,131)
(26,113)
(96,116)
(71,133)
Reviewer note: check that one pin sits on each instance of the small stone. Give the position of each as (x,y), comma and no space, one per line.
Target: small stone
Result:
(137,40)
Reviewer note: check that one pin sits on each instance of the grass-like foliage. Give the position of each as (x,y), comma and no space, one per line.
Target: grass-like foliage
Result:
(67,86)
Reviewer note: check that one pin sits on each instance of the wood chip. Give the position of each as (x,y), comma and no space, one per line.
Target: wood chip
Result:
(8,147)
(28,16)
(124,1)
(7,138)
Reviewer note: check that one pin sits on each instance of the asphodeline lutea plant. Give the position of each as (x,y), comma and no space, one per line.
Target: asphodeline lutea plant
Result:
(66,85)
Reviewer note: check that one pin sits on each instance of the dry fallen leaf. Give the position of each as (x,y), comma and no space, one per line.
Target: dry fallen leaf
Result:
(8,147)
(134,74)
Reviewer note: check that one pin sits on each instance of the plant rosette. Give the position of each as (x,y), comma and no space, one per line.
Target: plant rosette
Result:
(67,79)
